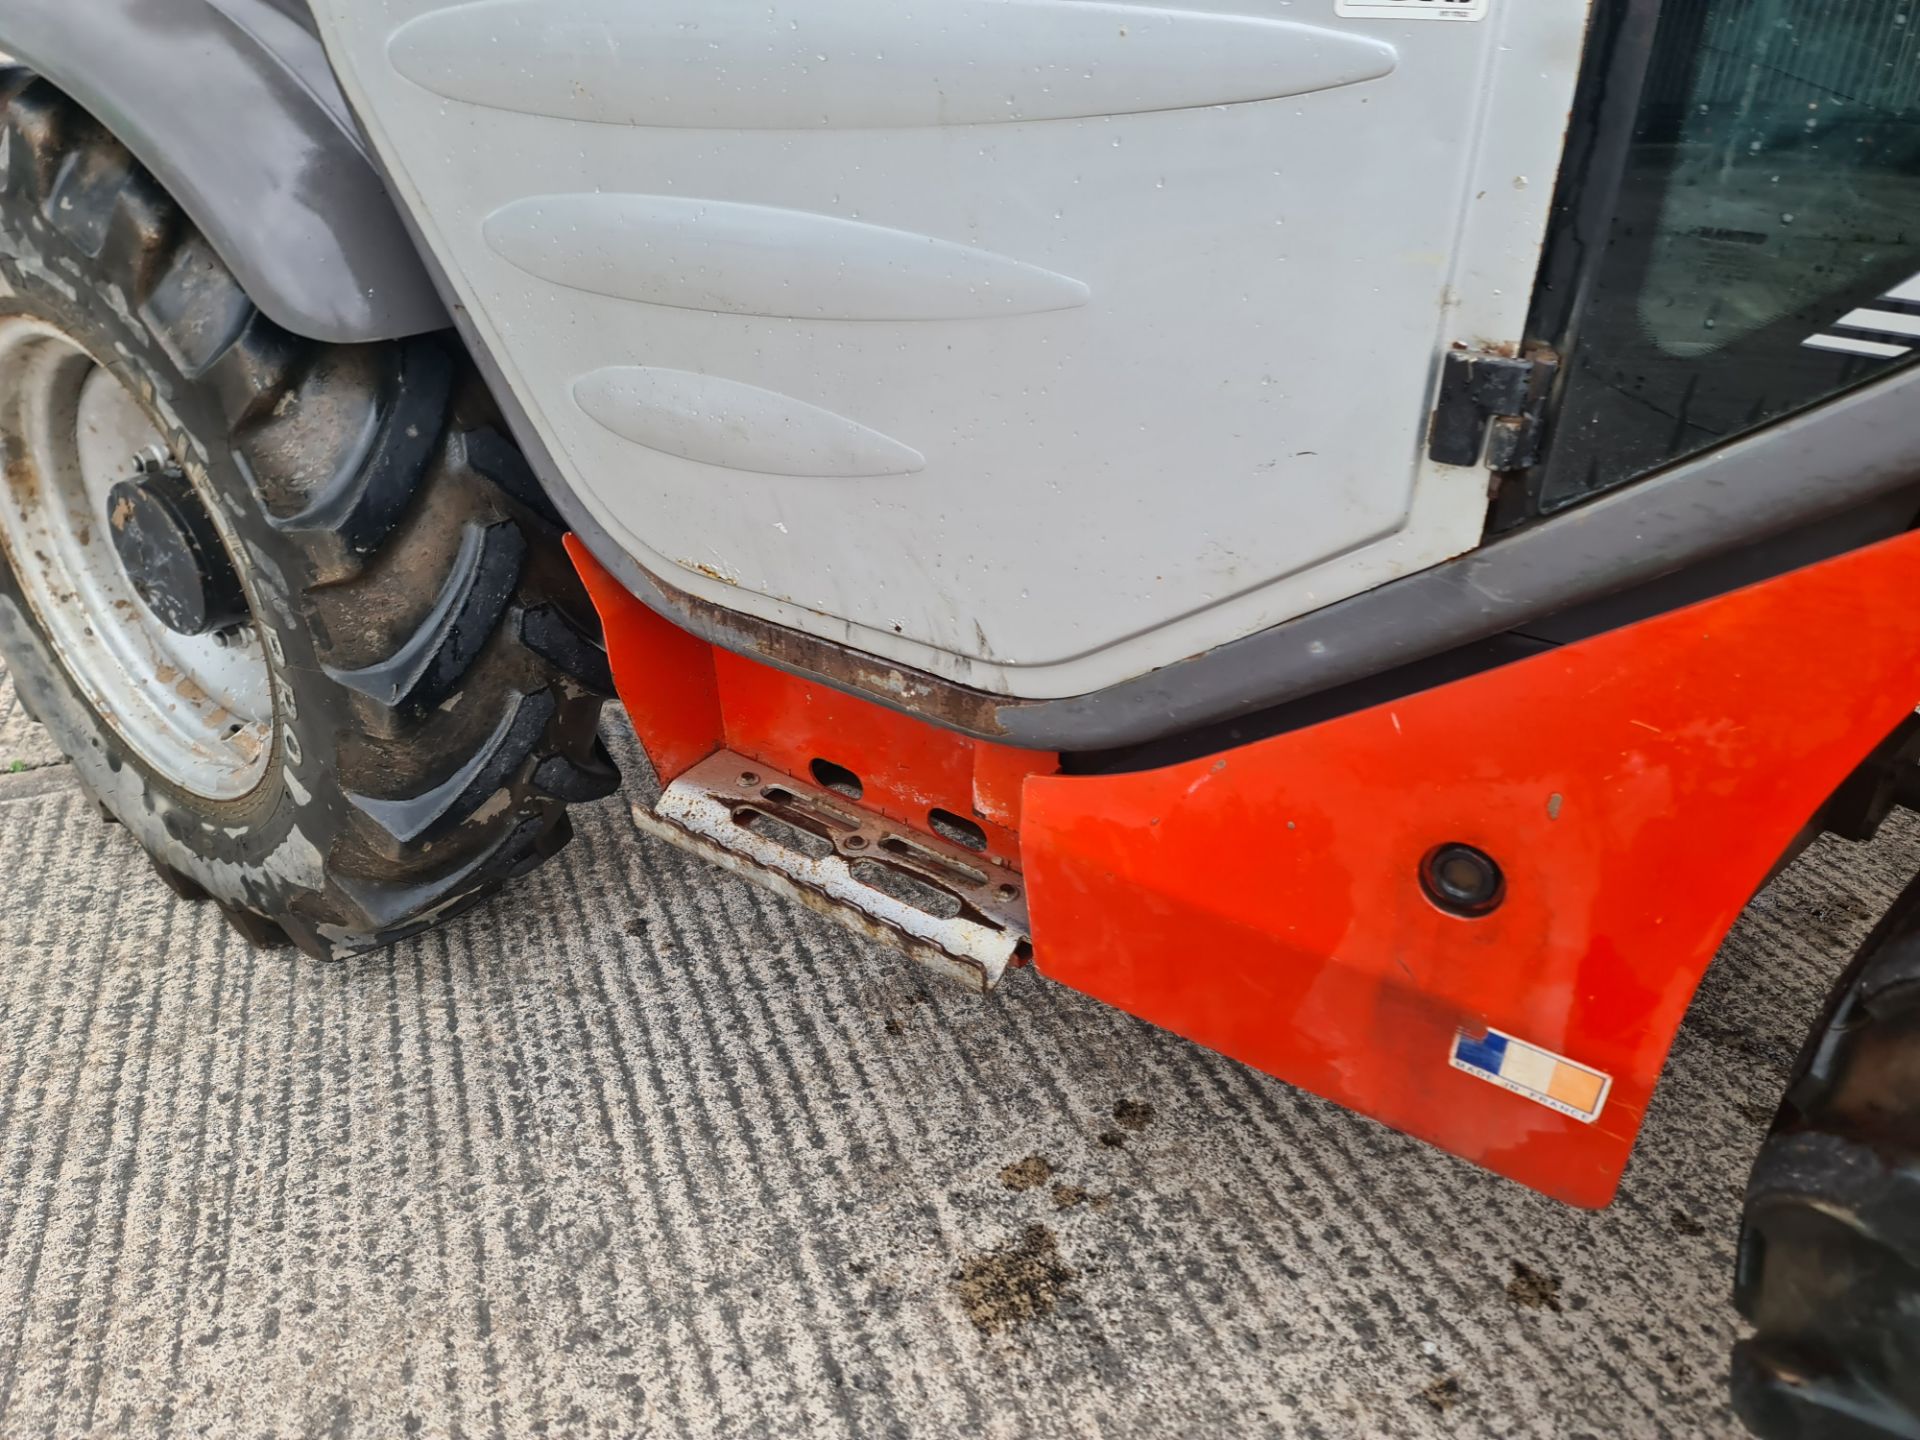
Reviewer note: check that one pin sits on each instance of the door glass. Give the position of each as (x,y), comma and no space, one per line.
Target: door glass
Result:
(1764,251)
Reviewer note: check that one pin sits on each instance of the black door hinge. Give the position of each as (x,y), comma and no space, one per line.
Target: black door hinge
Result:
(1493,403)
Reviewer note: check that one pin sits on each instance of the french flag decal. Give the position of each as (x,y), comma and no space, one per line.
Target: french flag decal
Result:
(1540,1075)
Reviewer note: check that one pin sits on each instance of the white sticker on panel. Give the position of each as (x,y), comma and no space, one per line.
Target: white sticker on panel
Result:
(1412,9)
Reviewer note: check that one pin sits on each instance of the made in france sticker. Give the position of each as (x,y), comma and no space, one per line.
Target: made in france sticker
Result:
(1411,9)
(1540,1075)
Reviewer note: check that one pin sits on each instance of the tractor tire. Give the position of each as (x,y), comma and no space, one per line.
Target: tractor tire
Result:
(394,687)
(1829,1260)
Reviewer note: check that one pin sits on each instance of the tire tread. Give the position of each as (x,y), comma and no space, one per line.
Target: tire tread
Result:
(1828,1264)
(479,724)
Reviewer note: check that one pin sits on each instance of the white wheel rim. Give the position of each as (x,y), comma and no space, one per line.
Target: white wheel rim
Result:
(197,709)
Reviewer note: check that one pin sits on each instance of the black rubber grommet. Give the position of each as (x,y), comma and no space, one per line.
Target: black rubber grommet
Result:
(1462,879)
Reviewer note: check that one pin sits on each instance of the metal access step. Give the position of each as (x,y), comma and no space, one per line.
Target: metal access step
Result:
(951,909)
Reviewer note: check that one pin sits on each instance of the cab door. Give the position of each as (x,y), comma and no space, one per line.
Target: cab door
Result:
(1034,343)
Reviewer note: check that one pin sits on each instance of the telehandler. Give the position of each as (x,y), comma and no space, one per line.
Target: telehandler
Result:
(1359,531)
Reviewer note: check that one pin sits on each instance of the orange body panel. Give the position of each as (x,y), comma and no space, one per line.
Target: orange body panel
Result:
(687,699)
(664,675)
(1636,788)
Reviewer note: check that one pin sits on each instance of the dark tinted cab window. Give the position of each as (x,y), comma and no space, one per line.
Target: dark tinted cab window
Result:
(1765,251)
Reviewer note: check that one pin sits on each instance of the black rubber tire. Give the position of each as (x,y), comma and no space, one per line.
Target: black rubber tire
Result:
(436,670)
(1829,1261)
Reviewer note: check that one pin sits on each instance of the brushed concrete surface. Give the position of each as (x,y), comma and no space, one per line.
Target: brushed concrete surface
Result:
(639,1150)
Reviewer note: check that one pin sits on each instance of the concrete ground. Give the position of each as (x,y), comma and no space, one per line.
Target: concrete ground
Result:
(640,1150)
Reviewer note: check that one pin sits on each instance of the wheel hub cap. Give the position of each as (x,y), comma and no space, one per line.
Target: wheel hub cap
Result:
(171,552)
(127,570)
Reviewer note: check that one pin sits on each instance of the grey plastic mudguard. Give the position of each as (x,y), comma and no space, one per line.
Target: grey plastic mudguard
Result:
(231,105)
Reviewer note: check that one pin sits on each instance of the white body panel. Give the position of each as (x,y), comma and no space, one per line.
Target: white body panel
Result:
(1035,343)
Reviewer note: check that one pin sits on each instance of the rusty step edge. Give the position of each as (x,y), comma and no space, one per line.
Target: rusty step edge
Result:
(956,912)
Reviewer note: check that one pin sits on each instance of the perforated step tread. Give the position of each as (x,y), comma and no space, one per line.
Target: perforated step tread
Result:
(958,912)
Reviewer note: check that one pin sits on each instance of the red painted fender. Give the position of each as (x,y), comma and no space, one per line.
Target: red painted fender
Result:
(1636,788)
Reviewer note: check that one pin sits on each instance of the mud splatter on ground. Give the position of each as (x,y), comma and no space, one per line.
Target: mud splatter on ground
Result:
(1133,1114)
(1014,1283)
(1685,1224)
(1443,1394)
(1065,1197)
(1112,1139)
(1532,1290)
(1027,1174)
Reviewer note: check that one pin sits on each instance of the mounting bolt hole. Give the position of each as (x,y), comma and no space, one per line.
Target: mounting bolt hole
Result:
(829,776)
(1006,892)
(855,842)
(748,779)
